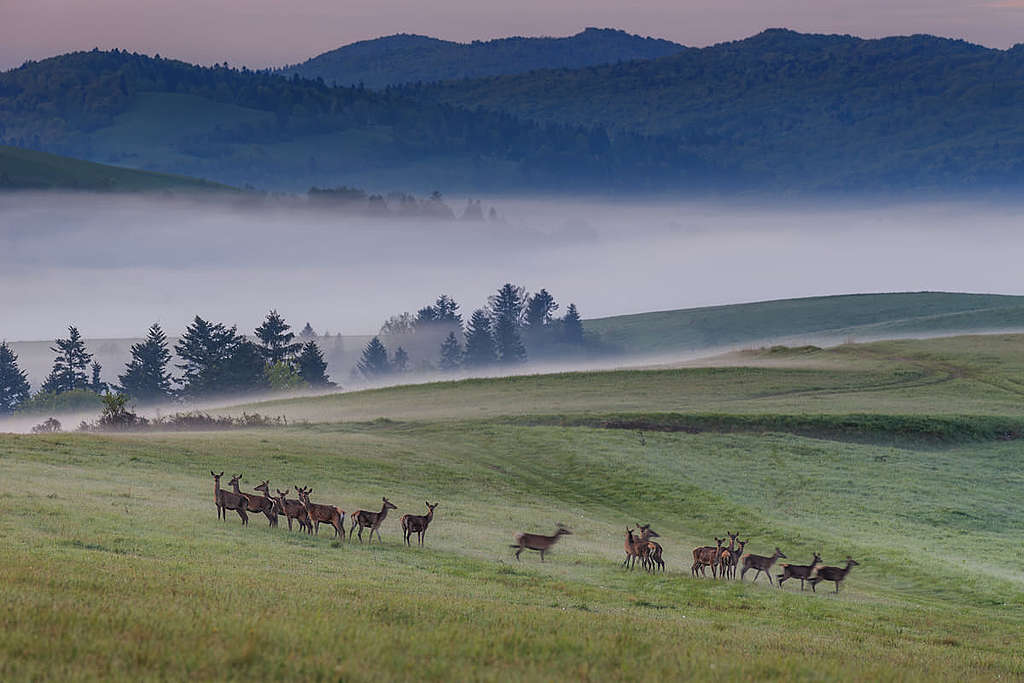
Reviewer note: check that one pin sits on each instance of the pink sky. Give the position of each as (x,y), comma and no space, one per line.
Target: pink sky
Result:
(260,33)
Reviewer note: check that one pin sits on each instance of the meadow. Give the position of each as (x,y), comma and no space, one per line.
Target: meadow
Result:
(116,566)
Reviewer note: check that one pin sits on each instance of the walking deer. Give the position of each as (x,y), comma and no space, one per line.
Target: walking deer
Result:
(798,571)
(761,564)
(255,503)
(417,524)
(373,520)
(226,500)
(293,509)
(833,574)
(537,542)
(706,556)
(322,514)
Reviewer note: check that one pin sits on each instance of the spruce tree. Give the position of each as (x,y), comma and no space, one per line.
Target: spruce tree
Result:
(207,349)
(509,302)
(275,339)
(451,353)
(312,366)
(97,385)
(539,310)
(146,378)
(14,386)
(374,361)
(307,333)
(245,369)
(479,342)
(507,342)
(400,361)
(69,367)
(572,325)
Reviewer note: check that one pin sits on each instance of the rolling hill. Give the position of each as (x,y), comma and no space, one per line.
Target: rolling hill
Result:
(24,169)
(403,58)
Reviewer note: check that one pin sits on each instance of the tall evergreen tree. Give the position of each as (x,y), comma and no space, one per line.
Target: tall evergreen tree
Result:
(14,386)
(451,353)
(97,385)
(307,333)
(313,367)
(146,378)
(509,302)
(507,341)
(572,325)
(400,361)
(69,367)
(479,342)
(207,349)
(539,310)
(276,343)
(374,361)
(244,369)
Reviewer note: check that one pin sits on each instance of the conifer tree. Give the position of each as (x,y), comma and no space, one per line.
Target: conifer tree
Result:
(312,366)
(572,325)
(507,342)
(14,386)
(307,333)
(207,350)
(479,342)
(276,343)
(69,367)
(451,353)
(539,310)
(97,385)
(374,361)
(146,378)
(400,361)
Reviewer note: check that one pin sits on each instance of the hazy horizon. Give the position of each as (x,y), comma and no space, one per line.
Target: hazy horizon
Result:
(265,33)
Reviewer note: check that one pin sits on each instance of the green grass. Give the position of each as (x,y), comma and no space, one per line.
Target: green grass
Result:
(31,170)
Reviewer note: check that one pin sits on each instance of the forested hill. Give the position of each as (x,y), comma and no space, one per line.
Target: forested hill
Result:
(405,58)
(798,111)
(242,127)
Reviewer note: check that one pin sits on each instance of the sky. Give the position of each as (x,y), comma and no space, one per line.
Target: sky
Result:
(261,33)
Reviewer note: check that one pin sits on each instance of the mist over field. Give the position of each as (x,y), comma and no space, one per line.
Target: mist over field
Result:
(114,264)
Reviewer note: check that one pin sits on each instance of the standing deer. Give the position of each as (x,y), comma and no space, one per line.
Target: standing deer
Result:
(417,524)
(761,564)
(293,509)
(640,546)
(537,542)
(652,555)
(318,513)
(834,574)
(373,520)
(254,503)
(798,571)
(725,555)
(706,556)
(226,500)
(631,549)
(729,568)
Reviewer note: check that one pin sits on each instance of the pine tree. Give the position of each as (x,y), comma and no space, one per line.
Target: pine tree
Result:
(245,368)
(539,310)
(97,385)
(307,333)
(276,340)
(146,378)
(451,353)
(69,366)
(507,342)
(206,349)
(313,367)
(479,342)
(14,386)
(400,361)
(507,308)
(374,362)
(572,325)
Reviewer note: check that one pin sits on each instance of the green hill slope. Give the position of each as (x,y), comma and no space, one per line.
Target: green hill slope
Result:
(403,58)
(29,169)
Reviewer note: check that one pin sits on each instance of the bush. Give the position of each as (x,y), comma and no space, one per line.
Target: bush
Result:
(49,426)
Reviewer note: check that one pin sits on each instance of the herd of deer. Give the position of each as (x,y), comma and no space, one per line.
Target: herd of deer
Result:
(722,560)
(311,515)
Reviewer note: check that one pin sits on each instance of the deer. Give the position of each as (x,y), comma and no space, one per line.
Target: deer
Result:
(652,554)
(833,574)
(761,564)
(537,542)
(640,546)
(363,518)
(798,571)
(318,513)
(254,503)
(631,549)
(725,554)
(729,568)
(293,509)
(417,524)
(706,556)
(226,500)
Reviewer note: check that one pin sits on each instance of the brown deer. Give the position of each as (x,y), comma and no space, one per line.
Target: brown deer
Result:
(706,556)
(537,542)
(226,500)
(640,546)
(264,504)
(727,565)
(652,554)
(630,547)
(726,553)
(293,509)
(318,513)
(798,571)
(417,524)
(833,574)
(373,520)
(761,564)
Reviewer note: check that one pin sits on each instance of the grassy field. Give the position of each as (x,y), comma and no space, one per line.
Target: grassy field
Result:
(117,568)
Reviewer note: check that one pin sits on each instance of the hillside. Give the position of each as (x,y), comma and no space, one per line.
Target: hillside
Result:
(404,58)
(799,112)
(248,128)
(23,169)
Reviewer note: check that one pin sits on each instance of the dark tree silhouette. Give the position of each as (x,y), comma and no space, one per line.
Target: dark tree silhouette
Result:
(275,339)
(307,333)
(572,325)
(374,361)
(400,361)
(479,342)
(146,378)
(451,353)
(312,366)
(69,367)
(539,310)
(97,385)
(14,386)
(507,308)
(208,351)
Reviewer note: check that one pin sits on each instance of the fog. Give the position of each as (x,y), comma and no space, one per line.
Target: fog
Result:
(113,265)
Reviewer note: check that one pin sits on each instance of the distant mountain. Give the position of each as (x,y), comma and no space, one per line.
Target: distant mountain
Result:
(242,127)
(404,58)
(24,169)
(798,112)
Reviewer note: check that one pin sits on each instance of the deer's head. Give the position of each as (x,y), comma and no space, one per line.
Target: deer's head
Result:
(388,505)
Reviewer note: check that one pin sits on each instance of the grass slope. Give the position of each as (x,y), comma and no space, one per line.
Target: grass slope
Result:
(24,169)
